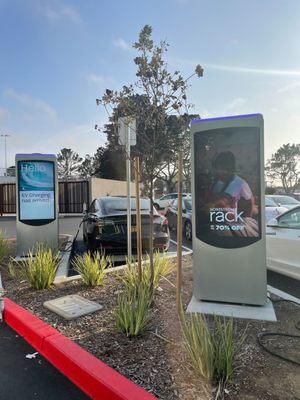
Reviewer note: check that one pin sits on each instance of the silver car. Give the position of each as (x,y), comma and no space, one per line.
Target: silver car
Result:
(284,201)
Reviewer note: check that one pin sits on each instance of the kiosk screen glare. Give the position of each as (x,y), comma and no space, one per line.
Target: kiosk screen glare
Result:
(227,186)
(36,190)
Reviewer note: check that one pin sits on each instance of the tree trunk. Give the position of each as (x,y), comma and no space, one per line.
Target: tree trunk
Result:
(151,236)
(179,236)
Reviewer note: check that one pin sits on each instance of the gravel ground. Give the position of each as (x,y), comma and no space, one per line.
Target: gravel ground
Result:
(156,360)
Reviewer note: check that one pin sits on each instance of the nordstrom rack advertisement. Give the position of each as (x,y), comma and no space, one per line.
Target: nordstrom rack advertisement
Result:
(36,190)
(227,186)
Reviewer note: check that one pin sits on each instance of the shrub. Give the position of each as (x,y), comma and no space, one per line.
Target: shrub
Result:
(39,268)
(4,247)
(132,313)
(199,344)
(161,266)
(11,269)
(212,351)
(129,276)
(91,267)
(225,349)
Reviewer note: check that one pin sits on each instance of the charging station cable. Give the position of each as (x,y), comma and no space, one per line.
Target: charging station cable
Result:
(262,335)
(69,248)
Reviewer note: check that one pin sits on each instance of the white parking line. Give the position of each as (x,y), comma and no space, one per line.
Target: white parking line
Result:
(189,251)
(283,294)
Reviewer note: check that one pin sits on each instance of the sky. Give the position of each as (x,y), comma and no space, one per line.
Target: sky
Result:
(58,56)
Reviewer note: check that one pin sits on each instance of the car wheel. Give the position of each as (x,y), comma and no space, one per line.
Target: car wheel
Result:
(188,231)
(156,206)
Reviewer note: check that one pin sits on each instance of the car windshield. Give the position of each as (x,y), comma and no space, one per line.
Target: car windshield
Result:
(119,205)
(188,204)
(269,202)
(285,200)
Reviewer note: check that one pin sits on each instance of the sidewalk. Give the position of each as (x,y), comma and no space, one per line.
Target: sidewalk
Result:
(30,378)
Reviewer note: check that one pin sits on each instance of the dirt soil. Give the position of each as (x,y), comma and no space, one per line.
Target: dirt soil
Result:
(156,360)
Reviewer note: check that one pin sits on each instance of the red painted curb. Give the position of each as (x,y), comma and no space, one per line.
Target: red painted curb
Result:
(92,376)
(26,324)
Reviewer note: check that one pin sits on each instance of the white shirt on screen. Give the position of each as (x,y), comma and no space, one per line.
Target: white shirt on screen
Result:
(237,188)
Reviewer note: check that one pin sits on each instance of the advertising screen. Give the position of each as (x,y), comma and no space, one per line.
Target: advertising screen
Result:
(36,190)
(227,186)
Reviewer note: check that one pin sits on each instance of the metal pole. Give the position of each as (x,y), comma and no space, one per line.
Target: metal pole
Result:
(128,178)
(2,292)
(138,217)
(5,155)
(151,238)
(179,236)
(5,152)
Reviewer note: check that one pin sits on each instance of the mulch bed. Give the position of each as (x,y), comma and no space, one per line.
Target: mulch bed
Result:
(156,360)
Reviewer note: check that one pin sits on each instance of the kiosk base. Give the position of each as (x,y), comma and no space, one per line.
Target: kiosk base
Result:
(265,313)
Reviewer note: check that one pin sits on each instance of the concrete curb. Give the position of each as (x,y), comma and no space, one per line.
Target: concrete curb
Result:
(66,279)
(92,376)
(75,215)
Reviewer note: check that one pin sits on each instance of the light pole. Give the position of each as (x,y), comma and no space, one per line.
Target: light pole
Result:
(5,135)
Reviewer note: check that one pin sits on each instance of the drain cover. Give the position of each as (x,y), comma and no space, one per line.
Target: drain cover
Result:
(72,306)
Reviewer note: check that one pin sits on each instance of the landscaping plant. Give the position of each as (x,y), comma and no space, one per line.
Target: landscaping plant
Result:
(92,267)
(11,269)
(212,350)
(4,248)
(162,268)
(199,344)
(132,313)
(39,267)
(226,350)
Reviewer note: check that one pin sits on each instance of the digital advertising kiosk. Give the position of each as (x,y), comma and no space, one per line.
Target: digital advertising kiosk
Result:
(37,201)
(228,210)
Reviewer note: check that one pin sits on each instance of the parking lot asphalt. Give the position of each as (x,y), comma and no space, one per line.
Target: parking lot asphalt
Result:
(284,283)
(68,225)
(30,378)
(8,226)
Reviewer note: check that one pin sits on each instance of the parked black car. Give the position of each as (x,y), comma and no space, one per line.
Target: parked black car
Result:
(105,226)
(171,215)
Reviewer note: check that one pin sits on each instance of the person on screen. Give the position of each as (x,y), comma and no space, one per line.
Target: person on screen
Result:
(229,190)
(230,200)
